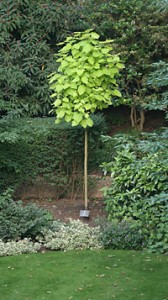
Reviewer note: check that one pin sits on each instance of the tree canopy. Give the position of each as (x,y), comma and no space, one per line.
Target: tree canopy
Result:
(86,78)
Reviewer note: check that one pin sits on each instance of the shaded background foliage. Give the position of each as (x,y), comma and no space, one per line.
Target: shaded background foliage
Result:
(38,151)
(31,29)
(29,33)
(139,30)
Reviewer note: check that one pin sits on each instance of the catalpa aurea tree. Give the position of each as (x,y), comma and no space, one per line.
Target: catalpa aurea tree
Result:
(86,80)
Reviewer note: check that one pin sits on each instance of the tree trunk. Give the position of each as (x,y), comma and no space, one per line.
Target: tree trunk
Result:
(137,122)
(133,116)
(142,119)
(86,170)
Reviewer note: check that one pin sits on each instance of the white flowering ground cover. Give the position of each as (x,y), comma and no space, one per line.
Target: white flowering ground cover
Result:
(72,236)
(19,247)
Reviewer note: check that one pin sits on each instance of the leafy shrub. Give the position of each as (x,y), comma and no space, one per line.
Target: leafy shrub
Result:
(18,247)
(71,236)
(134,179)
(153,220)
(140,144)
(121,235)
(139,186)
(18,221)
(158,80)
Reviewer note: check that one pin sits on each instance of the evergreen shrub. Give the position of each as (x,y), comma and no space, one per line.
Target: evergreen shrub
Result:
(121,234)
(139,186)
(18,221)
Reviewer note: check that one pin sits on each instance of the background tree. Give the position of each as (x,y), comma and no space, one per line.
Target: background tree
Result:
(140,32)
(29,31)
(85,81)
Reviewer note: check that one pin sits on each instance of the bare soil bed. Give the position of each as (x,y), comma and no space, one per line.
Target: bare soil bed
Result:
(66,208)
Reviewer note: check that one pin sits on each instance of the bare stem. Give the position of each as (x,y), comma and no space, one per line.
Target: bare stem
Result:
(86,170)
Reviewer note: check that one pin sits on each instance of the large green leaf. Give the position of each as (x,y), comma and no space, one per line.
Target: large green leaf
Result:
(83,123)
(68,118)
(89,122)
(57,102)
(116,93)
(88,106)
(77,116)
(59,87)
(84,79)
(94,35)
(81,89)
(87,48)
(61,114)
(91,60)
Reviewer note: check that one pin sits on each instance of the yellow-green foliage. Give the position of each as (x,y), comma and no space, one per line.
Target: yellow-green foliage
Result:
(86,78)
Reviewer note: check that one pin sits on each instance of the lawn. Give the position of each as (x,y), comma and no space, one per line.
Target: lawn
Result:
(84,275)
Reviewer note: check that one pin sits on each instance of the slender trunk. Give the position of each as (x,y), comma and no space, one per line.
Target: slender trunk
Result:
(86,170)
(73,179)
(137,118)
(142,119)
(133,116)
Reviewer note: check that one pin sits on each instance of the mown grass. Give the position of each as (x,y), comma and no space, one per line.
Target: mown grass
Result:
(84,275)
